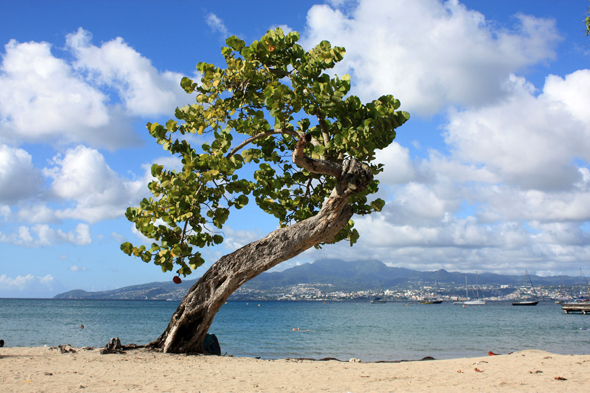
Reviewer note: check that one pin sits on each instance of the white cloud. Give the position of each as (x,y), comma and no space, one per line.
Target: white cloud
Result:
(398,165)
(532,205)
(77,269)
(464,245)
(525,140)
(19,179)
(429,53)
(29,286)
(286,29)
(5,212)
(143,89)
(43,100)
(118,237)
(420,204)
(82,176)
(42,235)
(216,24)
(37,213)
(86,189)
(438,167)
(235,239)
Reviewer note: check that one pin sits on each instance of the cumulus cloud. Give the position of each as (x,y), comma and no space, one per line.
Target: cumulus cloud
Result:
(42,235)
(82,176)
(44,98)
(85,188)
(429,53)
(464,245)
(19,179)
(29,286)
(506,203)
(398,164)
(529,141)
(143,90)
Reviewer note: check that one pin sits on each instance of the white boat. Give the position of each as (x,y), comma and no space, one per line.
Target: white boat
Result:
(527,301)
(472,302)
(582,303)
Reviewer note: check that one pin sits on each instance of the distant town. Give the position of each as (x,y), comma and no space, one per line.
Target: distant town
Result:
(324,292)
(327,292)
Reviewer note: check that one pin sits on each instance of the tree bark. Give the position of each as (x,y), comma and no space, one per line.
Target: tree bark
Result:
(191,321)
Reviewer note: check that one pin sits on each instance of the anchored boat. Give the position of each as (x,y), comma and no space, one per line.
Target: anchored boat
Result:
(527,301)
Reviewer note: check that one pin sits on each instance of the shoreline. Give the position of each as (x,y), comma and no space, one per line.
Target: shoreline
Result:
(41,369)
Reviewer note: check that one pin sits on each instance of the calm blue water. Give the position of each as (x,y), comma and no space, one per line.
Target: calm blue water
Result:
(390,331)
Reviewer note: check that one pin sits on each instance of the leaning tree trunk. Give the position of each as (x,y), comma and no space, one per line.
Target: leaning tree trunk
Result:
(191,321)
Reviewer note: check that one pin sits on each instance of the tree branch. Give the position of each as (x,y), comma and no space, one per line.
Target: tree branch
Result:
(182,237)
(259,136)
(325,134)
(322,167)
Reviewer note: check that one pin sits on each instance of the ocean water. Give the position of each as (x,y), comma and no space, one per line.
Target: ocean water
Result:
(343,330)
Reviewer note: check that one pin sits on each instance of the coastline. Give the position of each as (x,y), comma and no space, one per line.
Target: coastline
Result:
(42,369)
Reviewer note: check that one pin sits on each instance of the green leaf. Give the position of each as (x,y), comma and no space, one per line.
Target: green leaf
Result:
(378,204)
(157,170)
(187,84)
(127,248)
(353,236)
(235,43)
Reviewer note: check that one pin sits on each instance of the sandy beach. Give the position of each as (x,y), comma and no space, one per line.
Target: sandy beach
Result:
(42,369)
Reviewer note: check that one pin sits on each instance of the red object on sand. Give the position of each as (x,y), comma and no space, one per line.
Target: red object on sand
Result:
(492,354)
(177,280)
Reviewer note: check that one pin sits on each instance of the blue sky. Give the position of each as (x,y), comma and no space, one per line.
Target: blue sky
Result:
(490,174)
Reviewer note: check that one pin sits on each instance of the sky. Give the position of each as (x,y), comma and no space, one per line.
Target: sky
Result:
(491,173)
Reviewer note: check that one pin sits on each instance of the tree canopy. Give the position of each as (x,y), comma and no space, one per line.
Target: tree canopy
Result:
(273,108)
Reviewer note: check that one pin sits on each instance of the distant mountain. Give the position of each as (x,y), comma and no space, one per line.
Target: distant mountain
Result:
(366,274)
(340,275)
(151,291)
(353,276)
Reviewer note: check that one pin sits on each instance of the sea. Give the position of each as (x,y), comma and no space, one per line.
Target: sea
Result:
(342,330)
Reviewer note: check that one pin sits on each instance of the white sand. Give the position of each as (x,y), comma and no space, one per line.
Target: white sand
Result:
(45,370)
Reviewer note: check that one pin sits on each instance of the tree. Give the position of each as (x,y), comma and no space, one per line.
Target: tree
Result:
(312,147)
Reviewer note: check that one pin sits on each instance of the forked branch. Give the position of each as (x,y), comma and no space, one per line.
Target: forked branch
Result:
(322,167)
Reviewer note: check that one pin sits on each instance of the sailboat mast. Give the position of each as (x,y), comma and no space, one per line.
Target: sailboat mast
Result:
(466,290)
(530,282)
